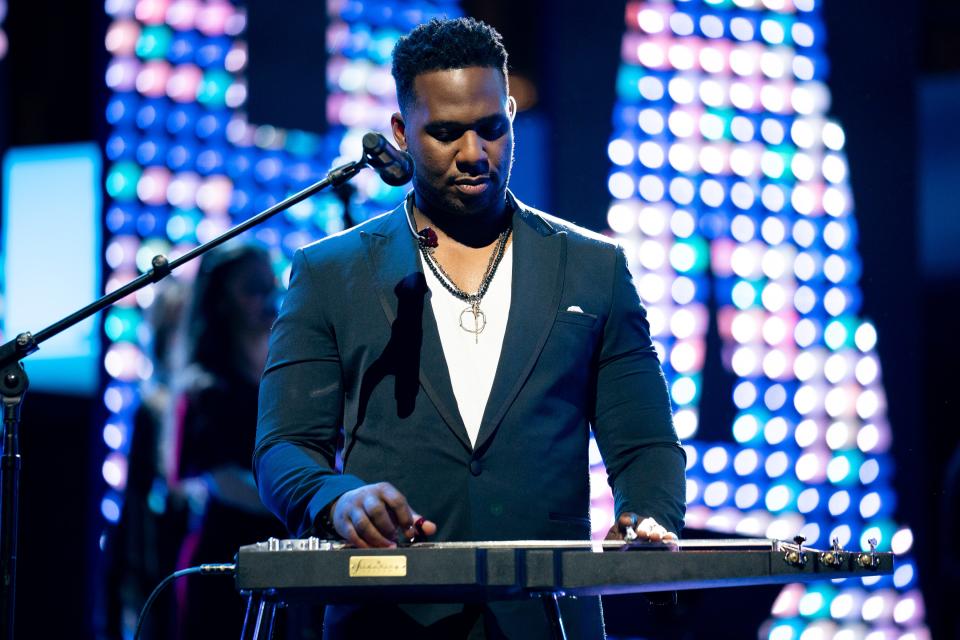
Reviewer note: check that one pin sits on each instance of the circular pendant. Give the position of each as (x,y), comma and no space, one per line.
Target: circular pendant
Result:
(478,323)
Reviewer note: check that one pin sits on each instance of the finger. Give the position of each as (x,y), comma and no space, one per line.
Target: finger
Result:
(367,530)
(350,535)
(645,527)
(627,520)
(624,523)
(653,529)
(622,529)
(421,527)
(380,515)
(429,527)
(397,503)
(657,532)
(650,529)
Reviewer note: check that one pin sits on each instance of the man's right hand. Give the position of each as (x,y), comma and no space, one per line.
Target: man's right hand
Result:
(375,515)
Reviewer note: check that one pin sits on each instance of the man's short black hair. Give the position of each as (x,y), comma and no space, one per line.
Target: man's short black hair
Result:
(445,44)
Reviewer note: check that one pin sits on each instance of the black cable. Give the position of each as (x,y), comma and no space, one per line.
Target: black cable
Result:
(203,569)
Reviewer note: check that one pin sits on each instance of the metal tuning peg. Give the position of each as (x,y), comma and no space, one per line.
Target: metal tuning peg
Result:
(796,557)
(835,557)
(869,560)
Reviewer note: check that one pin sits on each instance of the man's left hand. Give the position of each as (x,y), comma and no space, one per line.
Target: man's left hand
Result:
(646,529)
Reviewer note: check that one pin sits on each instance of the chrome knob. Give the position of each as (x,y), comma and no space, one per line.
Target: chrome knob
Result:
(796,557)
(835,557)
(869,559)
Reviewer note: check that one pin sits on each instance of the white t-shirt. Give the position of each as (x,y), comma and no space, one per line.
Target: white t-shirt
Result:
(472,359)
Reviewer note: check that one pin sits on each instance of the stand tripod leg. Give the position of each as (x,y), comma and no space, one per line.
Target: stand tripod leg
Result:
(551,607)
(249,617)
(9,502)
(276,616)
(266,618)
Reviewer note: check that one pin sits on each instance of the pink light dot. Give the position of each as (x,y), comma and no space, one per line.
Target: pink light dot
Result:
(115,470)
(214,194)
(152,186)
(213,17)
(181,14)
(121,39)
(182,190)
(152,79)
(183,83)
(121,361)
(151,11)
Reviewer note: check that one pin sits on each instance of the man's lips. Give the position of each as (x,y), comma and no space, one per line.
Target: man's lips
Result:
(472,186)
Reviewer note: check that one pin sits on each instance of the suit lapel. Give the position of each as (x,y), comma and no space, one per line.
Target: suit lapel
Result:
(401,287)
(539,252)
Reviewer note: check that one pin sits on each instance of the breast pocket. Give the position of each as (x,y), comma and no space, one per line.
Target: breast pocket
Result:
(577,317)
(571,347)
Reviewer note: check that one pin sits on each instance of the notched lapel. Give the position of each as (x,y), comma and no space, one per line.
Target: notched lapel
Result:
(414,352)
(540,254)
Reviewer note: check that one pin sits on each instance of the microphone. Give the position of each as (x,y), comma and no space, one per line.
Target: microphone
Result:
(394,166)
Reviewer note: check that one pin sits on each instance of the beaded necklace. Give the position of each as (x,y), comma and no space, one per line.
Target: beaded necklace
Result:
(427,243)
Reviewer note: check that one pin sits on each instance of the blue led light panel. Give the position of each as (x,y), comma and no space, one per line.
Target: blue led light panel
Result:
(729,183)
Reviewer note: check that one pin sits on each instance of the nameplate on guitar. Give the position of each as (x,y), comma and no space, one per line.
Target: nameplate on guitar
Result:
(378,566)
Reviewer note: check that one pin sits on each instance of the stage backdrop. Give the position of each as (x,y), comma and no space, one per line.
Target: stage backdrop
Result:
(730,194)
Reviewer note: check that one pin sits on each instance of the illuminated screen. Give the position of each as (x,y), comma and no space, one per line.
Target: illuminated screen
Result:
(51,259)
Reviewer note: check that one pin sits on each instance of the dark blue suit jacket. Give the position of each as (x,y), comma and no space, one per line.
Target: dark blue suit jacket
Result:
(356,345)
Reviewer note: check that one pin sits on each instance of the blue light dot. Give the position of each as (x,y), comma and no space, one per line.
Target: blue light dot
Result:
(113,435)
(110,509)
(744,394)
(903,576)
(746,428)
(808,500)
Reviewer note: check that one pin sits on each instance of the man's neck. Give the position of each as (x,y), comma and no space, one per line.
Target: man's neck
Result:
(465,244)
(472,232)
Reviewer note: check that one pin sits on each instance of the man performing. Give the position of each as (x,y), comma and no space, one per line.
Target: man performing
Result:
(466,344)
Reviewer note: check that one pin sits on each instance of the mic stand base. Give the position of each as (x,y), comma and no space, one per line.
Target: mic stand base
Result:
(13,384)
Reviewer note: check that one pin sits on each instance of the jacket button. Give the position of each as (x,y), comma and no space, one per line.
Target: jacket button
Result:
(475,467)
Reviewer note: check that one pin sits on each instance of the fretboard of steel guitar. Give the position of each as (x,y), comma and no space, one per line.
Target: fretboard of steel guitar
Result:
(318,570)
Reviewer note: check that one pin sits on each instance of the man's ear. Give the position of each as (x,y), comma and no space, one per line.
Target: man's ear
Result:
(399,130)
(511,108)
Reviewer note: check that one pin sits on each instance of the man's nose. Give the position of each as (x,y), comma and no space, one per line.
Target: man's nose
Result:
(473,150)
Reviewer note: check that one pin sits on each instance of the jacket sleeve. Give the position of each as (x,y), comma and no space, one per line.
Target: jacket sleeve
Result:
(301,410)
(633,424)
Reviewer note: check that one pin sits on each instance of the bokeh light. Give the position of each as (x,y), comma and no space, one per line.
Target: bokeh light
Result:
(185,163)
(737,150)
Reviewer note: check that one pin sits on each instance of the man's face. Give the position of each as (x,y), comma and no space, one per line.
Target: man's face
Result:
(460,134)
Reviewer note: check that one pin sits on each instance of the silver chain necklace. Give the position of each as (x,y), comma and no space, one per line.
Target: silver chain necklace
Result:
(472,319)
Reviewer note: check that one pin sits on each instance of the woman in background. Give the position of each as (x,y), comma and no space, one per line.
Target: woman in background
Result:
(228,326)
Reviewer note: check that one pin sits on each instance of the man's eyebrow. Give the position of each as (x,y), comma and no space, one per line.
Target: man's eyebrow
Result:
(454,124)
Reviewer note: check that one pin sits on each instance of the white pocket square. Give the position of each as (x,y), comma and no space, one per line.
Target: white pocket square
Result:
(574,309)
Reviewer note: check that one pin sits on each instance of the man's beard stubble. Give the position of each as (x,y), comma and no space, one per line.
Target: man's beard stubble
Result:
(444,204)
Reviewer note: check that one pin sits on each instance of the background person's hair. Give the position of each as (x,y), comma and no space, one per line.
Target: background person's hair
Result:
(210,339)
(445,44)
